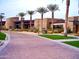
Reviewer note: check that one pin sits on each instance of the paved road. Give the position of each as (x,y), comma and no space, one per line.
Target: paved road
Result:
(24,46)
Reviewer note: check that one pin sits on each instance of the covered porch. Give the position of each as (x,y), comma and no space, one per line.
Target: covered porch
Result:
(76,26)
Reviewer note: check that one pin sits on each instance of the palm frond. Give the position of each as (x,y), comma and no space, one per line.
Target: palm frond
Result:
(30,12)
(1,15)
(42,10)
(22,14)
(52,7)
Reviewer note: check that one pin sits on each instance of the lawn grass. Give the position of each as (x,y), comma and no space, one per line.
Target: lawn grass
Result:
(57,37)
(2,36)
(73,43)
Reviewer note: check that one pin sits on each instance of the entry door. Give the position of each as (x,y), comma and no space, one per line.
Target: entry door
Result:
(77,28)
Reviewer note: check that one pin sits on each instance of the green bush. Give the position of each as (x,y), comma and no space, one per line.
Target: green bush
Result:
(2,36)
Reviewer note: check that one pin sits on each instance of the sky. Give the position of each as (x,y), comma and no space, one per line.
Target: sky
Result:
(11,8)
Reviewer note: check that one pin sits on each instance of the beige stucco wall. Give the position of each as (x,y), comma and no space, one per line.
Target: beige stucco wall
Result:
(10,22)
(71,25)
(47,23)
(39,24)
(78,18)
(36,23)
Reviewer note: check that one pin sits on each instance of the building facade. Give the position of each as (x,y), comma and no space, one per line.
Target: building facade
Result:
(15,23)
(47,23)
(73,24)
(10,22)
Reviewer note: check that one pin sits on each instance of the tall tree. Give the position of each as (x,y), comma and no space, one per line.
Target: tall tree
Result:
(1,17)
(66,17)
(30,13)
(42,11)
(53,8)
(21,14)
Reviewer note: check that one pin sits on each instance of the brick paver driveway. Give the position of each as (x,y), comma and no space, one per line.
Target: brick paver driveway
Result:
(24,46)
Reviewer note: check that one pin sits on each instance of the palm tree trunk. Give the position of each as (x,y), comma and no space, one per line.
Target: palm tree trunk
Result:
(42,22)
(66,18)
(52,21)
(22,23)
(30,22)
(38,27)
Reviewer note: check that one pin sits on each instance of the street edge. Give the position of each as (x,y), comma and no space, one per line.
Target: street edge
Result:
(5,42)
(60,42)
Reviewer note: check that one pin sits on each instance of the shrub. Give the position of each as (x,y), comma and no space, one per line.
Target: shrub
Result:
(58,30)
(69,30)
(49,32)
(44,31)
(2,36)
(35,30)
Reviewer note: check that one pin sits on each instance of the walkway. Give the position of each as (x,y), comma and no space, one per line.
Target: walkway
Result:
(25,46)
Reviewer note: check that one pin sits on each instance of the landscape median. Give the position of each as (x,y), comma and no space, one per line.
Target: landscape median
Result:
(4,40)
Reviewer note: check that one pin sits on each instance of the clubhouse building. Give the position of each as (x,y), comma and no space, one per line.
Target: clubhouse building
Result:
(15,23)
(73,24)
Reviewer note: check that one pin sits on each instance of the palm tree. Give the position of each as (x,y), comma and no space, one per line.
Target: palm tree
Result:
(42,11)
(21,14)
(53,8)
(66,17)
(30,13)
(1,17)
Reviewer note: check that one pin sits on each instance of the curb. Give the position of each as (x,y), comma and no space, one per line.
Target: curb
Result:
(63,44)
(5,42)
(69,46)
